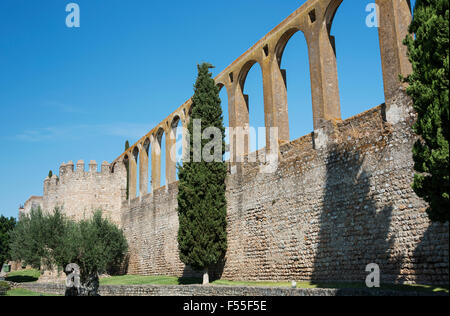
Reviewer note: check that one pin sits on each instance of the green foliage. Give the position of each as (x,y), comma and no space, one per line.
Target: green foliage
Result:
(151,279)
(97,245)
(30,237)
(202,234)
(50,240)
(429,88)
(23,292)
(6,225)
(4,288)
(170,280)
(50,174)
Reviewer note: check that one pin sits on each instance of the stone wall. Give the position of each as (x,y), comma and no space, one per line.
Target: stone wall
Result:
(340,199)
(151,227)
(81,192)
(224,291)
(32,203)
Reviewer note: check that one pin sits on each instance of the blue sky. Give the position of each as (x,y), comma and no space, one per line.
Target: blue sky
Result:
(71,94)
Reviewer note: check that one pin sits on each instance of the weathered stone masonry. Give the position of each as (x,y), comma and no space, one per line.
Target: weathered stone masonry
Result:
(228,291)
(79,192)
(340,198)
(324,215)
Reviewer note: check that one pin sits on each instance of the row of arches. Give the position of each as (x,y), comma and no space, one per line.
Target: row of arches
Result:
(311,27)
(151,163)
(264,64)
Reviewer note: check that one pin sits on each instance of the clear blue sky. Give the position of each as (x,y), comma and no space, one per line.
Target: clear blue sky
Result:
(71,94)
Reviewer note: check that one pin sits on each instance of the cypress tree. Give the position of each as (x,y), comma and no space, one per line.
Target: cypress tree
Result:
(429,88)
(50,174)
(202,236)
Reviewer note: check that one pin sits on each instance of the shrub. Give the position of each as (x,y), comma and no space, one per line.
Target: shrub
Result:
(51,240)
(4,287)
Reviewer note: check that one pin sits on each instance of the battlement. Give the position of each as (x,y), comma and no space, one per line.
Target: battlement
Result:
(80,192)
(67,169)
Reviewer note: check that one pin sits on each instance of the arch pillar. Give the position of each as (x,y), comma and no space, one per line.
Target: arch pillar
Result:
(143,170)
(394,19)
(275,103)
(156,162)
(171,160)
(132,176)
(323,72)
(239,122)
(186,138)
(121,169)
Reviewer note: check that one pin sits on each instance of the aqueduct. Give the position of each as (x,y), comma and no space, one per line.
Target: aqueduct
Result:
(340,197)
(314,19)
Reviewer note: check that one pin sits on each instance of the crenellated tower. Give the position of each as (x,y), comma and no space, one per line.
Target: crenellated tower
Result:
(79,192)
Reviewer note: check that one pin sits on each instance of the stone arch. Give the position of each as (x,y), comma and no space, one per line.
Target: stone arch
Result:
(189,109)
(144,166)
(351,60)
(158,136)
(328,19)
(146,145)
(243,73)
(282,43)
(157,154)
(292,86)
(176,119)
(224,91)
(330,14)
(176,142)
(126,165)
(131,160)
(250,117)
(135,152)
(224,103)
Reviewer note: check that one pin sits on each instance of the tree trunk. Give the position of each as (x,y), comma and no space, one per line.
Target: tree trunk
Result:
(88,287)
(205,277)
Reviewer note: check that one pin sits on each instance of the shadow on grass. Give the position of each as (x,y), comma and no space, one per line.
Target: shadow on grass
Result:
(21,279)
(191,276)
(189,281)
(389,287)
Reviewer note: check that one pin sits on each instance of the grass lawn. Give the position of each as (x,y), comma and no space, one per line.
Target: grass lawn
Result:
(23,292)
(33,275)
(142,280)
(398,287)
(23,276)
(167,280)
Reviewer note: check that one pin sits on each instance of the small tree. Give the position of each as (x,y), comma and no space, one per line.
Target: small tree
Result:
(50,174)
(428,51)
(6,225)
(51,240)
(97,245)
(202,236)
(26,237)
